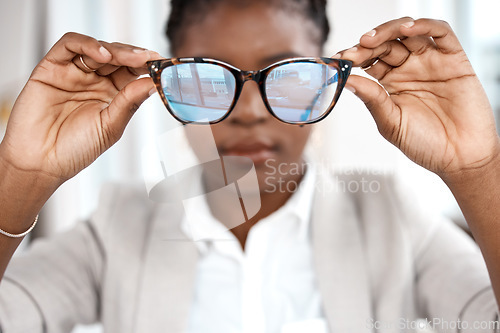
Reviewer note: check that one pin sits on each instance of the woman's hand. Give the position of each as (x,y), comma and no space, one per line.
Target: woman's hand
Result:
(429,103)
(71,111)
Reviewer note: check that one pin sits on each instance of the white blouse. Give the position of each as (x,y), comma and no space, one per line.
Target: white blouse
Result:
(271,285)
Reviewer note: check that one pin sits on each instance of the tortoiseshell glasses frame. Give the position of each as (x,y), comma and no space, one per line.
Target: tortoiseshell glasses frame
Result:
(342,67)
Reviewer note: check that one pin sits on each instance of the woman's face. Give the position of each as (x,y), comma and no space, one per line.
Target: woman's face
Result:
(251,38)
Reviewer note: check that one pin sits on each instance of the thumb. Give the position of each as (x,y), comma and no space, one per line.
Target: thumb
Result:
(119,112)
(386,114)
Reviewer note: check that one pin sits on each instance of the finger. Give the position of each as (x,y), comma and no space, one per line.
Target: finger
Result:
(130,56)
(440,32)
(385,113)
(89,65)
(419,44)
(110,69)
(107,69)
(378,70)
(123,76)
(393,53)
(79,62)
(384,32)
(96,54)
(117,115)
(72,44)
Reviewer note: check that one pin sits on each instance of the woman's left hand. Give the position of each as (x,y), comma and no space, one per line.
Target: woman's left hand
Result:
(429,103)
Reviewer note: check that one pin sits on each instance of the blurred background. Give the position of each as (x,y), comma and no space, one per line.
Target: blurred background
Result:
(348,140)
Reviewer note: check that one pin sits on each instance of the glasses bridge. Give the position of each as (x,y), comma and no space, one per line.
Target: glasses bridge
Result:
(251,76)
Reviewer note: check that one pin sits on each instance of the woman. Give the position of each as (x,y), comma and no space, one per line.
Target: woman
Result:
(367,261)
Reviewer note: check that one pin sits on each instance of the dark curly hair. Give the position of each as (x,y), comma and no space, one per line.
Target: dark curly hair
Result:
(185,12)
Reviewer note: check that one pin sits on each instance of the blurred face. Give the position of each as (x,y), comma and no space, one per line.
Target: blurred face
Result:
(252,38)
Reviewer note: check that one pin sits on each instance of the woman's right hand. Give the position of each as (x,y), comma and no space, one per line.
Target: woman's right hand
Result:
(67,115)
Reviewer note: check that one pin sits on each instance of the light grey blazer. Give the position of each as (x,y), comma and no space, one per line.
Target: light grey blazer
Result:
(379,260)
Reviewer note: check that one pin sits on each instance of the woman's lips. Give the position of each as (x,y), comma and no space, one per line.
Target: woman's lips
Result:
(259,153)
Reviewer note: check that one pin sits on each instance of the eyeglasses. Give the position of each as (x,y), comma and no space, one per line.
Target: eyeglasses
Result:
(295,91)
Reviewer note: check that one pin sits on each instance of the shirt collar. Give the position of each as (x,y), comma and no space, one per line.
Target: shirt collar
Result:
(208,228)
(300,203)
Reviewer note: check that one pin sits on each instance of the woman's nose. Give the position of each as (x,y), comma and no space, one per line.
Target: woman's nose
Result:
(250,108)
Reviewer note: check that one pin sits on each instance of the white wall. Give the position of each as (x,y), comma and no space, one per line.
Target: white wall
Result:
(19,43)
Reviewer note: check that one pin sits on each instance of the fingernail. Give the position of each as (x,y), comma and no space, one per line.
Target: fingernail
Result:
(337,56)
(371,33)
(352,49)
(155,54)
(351,89)
(104,52)
(139,51)
(408,24)
(152,91)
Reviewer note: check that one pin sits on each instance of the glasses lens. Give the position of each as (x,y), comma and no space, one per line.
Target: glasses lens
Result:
(301,92)
(198,92)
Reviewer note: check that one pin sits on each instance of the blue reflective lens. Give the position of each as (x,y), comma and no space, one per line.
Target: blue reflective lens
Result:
(300,92)
(198,92)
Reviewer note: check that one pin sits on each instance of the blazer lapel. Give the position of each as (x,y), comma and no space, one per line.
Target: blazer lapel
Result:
(340,262)
(166,289)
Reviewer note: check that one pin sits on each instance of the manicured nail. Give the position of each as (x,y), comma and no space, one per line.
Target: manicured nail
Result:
(337,56)
(139,51)
(351,89)
(408,24)
(371,33)
(104,52)
(352,49)
(152,91)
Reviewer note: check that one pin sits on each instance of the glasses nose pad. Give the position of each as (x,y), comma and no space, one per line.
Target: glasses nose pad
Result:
(250,107)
